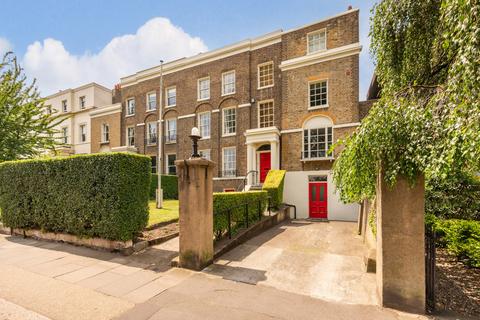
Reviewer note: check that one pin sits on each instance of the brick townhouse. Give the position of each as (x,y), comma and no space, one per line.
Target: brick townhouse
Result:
(278,101)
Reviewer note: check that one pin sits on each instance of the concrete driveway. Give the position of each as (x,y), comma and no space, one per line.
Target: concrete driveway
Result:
(291,266)
(318,259)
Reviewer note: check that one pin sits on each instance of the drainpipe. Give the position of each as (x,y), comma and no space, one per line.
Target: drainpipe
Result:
(160,141)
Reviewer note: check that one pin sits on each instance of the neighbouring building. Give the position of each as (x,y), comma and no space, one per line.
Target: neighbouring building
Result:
(278,101)
(76,105)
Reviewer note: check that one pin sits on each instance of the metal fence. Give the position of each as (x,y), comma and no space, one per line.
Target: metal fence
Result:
(430,260)
(257,207)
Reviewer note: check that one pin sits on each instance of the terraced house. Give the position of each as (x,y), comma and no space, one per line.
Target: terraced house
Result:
(278,101)
(75,104)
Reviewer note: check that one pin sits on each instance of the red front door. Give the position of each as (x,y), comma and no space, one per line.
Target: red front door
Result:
(317,193)
(265,165)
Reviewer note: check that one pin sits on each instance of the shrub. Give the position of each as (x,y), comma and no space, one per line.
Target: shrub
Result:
(235,201)
(455,197)
(169,186)
(460,237)
(274,186)
(100,195)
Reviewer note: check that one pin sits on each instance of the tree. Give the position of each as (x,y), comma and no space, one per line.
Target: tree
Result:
(427,57)
(26,123)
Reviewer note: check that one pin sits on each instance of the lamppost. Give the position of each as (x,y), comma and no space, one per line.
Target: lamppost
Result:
(195,136)
(160,141)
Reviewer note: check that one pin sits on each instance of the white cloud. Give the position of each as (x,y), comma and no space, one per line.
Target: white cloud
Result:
(5,46)
(55,68)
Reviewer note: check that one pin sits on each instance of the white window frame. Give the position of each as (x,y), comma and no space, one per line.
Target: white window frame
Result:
(105,132)
(309,158)
(199,98)
(84,126)
(209,125)
(224,168)
(258,75)
(166,96)
(128,137)
(65,132)
(168,130)
(127,107)
(64,105)
(167,166)
(147,126)
(309,97)
(224,133)
(82,102)
(234,83)
(148,101)
(323,30)
(258,112)
(205,152)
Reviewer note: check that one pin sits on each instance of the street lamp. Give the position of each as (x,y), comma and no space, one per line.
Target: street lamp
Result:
(160,141)
(195,136)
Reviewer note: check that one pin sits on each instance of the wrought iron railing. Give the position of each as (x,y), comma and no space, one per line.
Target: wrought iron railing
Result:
(430,261)
(251,212)
(254,175)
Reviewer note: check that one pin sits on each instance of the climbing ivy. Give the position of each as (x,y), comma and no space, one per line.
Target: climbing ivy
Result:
(427,57)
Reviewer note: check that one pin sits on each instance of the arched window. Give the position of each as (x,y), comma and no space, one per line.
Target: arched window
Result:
(317,138)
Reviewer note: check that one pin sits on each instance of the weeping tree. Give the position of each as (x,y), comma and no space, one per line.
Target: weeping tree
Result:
(26,123)
(427,121)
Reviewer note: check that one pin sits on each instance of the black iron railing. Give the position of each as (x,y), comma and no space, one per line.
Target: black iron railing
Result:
(240,216)
(254,175)
(430,261)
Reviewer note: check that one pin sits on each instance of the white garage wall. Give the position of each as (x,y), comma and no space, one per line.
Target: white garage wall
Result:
(296,193)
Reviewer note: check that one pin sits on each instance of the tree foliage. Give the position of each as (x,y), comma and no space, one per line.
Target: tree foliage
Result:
(26,125)
(427,57)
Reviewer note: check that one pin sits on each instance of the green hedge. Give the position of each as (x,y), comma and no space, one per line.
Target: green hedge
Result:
(274,186)
(101,195)
(169,186)
(460,237)
(454,197)
(235,201)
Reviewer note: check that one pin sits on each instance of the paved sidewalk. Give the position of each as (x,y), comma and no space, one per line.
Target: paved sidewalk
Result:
(61,281)
(10,310)
(290,265)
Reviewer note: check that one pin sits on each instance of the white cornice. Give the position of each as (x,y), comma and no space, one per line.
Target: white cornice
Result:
(244,105)
(201,58)
(70,90)
(103,111)
(322,56)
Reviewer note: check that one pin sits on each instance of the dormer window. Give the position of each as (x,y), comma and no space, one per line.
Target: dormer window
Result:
(317,41)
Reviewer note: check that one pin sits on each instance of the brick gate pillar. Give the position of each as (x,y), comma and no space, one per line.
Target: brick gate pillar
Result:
(195,195)
(401,244)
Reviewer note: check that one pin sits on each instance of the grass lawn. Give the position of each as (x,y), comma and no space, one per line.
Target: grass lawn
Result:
(169,212)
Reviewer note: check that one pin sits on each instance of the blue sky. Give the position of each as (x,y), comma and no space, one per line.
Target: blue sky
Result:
(67,43)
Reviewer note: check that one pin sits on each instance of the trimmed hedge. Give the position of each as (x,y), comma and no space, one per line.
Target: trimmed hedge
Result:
(274,186)
(100,195)
(460,237)
(169,186)
(235,201)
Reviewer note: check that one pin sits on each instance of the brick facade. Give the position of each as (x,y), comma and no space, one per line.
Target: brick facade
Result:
(289,94)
